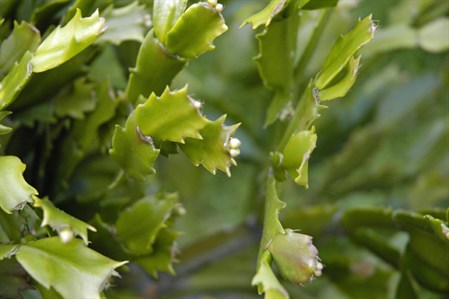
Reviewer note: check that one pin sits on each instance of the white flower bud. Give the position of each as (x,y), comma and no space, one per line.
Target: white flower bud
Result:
(234,143)
(212,3)
(196,104)
(219,7)
(295,256)
(234,152)
(66,235)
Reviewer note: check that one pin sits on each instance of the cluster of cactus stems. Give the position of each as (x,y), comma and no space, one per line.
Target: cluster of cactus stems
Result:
(144,118)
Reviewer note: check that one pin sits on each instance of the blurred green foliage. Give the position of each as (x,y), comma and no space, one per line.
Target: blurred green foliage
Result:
(378,178)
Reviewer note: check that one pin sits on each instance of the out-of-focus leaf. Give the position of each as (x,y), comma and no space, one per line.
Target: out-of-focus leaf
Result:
(64,43)
(344,48)
(376,244)
(195,30)
(171,117)
(6,251)
(75,101)
(125,23)
(88,270)
(154,69)
(427,257)
(296,155)
(367,217)
(4,129)
(107,67)
(319,4)
(406,288)
(6,7)
(47,10)
(13,83)
(342,87)
(139,225)
(427,223)
(265,16)
(266,281)
(85,131)
(14,190)
(213,151)
(165,15)
(162,257)
(133,151)
(391,38)
(23,38)
(62,222)
(434,37)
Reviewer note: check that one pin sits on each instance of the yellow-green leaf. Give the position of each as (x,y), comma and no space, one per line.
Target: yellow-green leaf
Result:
(265,16)
(165,15)
(65,224)
(23,38)
(154,70)
(13,83)
(173,116)
(65,42)
(344,48)
(132,150)
(139,225)
(214,151)
(195,30)
(72,269)
(342,87)
(296,155)
(15,192)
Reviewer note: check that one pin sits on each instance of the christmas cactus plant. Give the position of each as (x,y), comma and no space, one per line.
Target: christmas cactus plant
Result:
(105,103)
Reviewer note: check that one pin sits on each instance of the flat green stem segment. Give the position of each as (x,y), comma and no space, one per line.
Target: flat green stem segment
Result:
(139,225)
(277,46)
(6,251)
(427,223)
(344,48)
(267,281)
(23,38)
(17,78)
(133,151)
(265,278)
(195,30)
(64,43)
(296,155)
(125,23)
(87,269)
(306,112)
(154,70)
(60,221)
(212,151)
(265,16)
(165,15)
(171,117)
(342,87)
(14,190)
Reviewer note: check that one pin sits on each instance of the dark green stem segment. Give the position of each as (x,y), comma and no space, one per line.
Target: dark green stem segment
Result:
(155,68)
